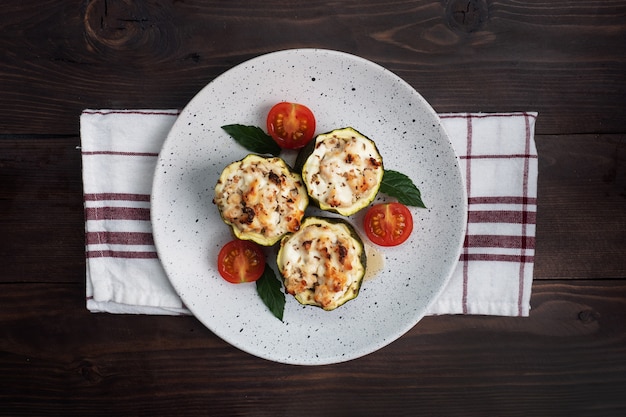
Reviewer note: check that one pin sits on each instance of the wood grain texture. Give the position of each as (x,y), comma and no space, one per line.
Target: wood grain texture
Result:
(563,59)
(581,213)
(66,361)
(41,210)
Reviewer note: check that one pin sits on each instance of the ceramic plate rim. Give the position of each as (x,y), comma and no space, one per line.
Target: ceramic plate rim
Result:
(163,242)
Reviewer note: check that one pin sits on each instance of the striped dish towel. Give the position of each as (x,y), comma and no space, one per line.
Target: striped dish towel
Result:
(499,160)
(493,276)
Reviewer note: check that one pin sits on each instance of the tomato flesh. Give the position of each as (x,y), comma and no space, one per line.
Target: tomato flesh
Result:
(241,261)
(388,224)
(291,125)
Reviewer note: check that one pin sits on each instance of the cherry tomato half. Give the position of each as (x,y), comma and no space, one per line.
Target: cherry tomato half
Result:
(388,224)
(241,261)
(291,125)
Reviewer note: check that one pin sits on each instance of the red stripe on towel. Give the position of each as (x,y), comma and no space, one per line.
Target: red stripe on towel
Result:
(496,241)
(160,113)
(117,197)
(119,238)
(468,181)
(482,116)
(150,154)
(501,156)
(492,257)
(524,227)
(502,216)
(503,200)
(121,254)
(117,213)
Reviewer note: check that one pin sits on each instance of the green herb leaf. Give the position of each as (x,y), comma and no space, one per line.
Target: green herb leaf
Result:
(396,184)
(253,138)
(270,291)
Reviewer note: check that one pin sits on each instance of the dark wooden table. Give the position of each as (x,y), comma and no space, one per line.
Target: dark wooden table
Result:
(564,59)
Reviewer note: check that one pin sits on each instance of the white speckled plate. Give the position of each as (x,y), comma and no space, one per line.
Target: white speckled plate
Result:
(342,90)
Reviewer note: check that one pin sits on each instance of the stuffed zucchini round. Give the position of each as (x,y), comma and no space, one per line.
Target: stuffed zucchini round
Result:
(342,171)
(322,264)
(261,198)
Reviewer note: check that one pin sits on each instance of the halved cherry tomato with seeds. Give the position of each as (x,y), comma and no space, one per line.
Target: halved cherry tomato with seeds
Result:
(291,125)
(241,261)
(388,224)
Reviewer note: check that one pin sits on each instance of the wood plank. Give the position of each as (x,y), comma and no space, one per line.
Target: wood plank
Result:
(41,210)
(58,359)
(563,59)
(581,213)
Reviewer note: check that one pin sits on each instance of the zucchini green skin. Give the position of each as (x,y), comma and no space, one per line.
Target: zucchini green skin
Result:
(304,164)
(307,294)
(244,219)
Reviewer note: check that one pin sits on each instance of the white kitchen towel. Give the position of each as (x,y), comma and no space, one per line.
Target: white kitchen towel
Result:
(499,160)
(494,274)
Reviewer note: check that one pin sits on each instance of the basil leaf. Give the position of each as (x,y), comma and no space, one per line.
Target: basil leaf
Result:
(396,184)
(269,289)
(253,138)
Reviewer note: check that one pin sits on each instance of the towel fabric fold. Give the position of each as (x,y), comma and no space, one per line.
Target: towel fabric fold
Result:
(494,273)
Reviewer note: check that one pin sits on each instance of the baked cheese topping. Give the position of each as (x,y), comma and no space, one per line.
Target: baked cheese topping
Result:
(321,264)
(343,168)
(262,196)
